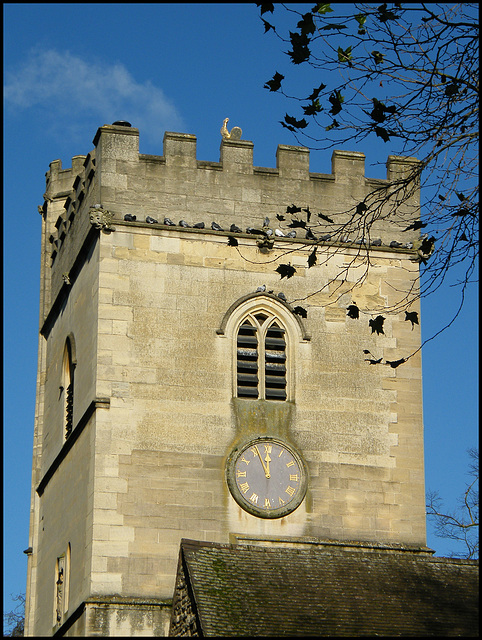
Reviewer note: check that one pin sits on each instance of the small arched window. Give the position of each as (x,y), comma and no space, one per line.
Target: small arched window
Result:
(67,387)
(261,358)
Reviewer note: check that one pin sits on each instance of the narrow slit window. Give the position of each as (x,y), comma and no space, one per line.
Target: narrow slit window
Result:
(59,590)
(68,389)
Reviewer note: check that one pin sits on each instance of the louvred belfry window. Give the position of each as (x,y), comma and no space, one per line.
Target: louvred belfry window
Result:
(261,358)
(68,388)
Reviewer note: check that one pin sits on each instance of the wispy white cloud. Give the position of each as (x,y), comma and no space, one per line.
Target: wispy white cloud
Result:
(66,91)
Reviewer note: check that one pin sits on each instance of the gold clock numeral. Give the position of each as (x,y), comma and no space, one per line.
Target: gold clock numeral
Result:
(281,501)
(255,451)
(280,453)
(289,490)
(254,498)
(267,448)
(294,477)
(244,487)
(240,474)
(290,463)
(243,459)
(267,503)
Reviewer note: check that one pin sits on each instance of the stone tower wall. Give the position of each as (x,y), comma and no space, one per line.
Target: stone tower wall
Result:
(154,311)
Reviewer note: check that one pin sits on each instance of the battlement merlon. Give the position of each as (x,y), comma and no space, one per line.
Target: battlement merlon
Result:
(58,181)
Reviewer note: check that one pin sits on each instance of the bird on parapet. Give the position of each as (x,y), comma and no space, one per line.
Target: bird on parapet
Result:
(261,288)
(216,227)
(224,129)
(235,132)
(129,217)
(282,296)
(150,220)
(183,223)
(279,233)
(169,222)
(198,225)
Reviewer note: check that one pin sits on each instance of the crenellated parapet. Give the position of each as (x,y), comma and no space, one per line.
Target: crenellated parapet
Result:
(165,190)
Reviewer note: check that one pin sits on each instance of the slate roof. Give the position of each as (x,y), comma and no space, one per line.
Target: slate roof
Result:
(247,590)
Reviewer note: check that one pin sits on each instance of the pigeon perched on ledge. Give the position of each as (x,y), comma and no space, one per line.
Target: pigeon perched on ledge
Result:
(129,217)
(169,222)
(183,223)
(234,229)
(198,225)
(150,220)
(216,227)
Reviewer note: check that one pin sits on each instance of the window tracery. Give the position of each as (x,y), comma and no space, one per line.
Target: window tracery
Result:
(261,358)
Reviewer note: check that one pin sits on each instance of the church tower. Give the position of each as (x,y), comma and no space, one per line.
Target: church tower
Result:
(185,390)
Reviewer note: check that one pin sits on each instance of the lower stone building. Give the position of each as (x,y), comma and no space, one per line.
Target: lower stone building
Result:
(316,588)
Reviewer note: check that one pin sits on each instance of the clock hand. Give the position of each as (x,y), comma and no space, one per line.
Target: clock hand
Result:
(265,469)
(268,460)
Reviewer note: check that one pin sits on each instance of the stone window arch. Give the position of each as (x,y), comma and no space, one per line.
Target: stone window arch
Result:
(67,385)
(264,332)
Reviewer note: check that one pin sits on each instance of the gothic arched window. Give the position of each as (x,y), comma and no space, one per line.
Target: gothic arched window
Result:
(264,335)
(261,357)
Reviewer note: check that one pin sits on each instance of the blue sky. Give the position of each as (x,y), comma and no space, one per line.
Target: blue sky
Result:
(70,68)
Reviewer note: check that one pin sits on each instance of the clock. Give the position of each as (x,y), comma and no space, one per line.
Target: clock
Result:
(266,477)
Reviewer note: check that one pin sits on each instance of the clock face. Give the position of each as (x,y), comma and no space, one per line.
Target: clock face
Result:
(267,478)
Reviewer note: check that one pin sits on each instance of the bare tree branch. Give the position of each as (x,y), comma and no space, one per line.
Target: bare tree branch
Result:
(462,523)
(407,74)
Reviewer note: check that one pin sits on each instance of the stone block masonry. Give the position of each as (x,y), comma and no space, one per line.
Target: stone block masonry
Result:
(153,311)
